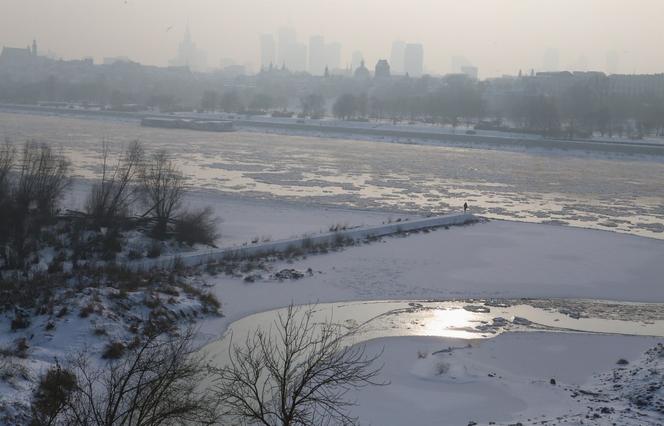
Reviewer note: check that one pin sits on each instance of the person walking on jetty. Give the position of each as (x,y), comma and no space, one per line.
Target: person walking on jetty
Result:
(465,207)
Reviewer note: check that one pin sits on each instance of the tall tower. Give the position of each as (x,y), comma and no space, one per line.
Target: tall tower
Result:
(34,47)
(414,59)
(397,56)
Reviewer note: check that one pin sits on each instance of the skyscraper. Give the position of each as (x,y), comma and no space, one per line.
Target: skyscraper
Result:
(397,57)
(333,56)
(297,57)
(317,61)
(189,55)
(414,59)
(268,51)
(287,39)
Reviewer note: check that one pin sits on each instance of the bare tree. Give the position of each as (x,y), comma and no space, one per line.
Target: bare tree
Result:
(7,154)
(6,163)
(31,196)
(164,187)
(42,178)
(111,198)
(156,383)
(298,373)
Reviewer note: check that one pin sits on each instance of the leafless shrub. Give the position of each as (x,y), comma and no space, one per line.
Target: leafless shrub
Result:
(163,185)
(299,372)
(113,350)
(197,227)
(52,395)
(156,383)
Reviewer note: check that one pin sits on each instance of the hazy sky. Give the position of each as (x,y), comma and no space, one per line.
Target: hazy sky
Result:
(498,36)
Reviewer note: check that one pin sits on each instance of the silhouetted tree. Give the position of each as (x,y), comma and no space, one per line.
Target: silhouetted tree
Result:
(163,186)
(111,197)
(296,373)
(344,106)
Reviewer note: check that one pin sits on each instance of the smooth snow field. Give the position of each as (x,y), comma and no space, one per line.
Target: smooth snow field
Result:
(605,191)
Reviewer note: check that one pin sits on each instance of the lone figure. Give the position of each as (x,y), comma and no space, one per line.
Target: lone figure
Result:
(465,207)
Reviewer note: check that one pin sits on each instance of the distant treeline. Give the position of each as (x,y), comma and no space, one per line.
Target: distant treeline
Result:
(573,110)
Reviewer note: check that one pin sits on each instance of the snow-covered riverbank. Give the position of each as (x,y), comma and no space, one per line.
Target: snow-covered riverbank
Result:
(494,259)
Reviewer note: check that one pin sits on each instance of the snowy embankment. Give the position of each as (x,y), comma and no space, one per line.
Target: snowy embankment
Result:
(338,237)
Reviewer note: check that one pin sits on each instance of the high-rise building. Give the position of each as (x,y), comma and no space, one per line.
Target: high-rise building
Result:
(397,57)
(333,56)
(189,55)
(268,51)
(317,60)
(457,62)
(414,59)
(297,57)
(287,39)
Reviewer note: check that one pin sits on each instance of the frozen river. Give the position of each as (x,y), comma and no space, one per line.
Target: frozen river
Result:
(603,191)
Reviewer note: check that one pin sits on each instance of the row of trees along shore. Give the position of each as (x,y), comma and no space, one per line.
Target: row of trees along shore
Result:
(578,111)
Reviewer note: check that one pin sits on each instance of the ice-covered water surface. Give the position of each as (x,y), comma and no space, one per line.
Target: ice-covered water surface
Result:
(603,191)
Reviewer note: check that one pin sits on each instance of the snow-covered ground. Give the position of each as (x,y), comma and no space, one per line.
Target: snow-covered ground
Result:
(491,260)
(505,380)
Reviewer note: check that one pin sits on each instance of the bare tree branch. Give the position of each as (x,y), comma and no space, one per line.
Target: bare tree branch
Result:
(296,373)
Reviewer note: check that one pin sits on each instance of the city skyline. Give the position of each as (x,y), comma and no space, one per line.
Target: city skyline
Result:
(599,35)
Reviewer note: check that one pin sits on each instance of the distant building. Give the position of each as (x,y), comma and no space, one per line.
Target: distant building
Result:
(397,57)
(457,62)
(362,72)
(636,85)
(470,71)
(382,69)
(268,51)
(356,59)
(333,56)
(287,39)
(317,60)
(115,59)
(414,60)
(15,54)
(189,55)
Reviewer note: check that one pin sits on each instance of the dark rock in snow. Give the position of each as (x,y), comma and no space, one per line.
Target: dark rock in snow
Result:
(289,274)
